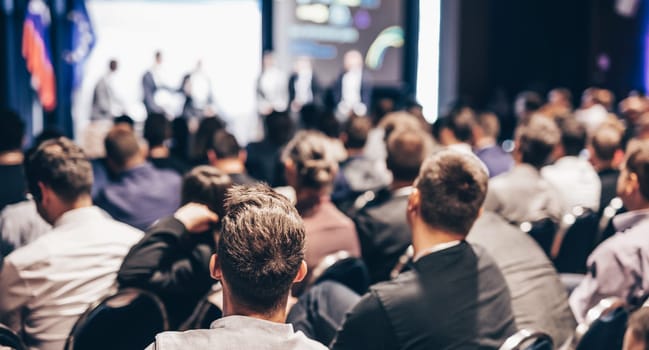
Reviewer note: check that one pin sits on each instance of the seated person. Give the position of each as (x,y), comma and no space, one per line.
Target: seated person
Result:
(485,139)
(259,256)
(140,193)
(157,130)
(52,281)
(172,260)
(20,225)
(521,194)
(574,178)
(12,175)
(382,228)
(225,154)
(455,297)
(310,170)
(263,157)
(619,266)
(605,149)
(456,130)
(637,331)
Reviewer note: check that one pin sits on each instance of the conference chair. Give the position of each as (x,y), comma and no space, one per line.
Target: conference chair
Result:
(543,232)
(578,241)
(342,268)
(526,339)
(603,327)
(606,228)
(9,339)
(128,319)
(204,314)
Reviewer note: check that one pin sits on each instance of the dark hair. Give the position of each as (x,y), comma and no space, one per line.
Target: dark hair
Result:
(279,127)
(605,142)
(531,100)
(536,140)
(407,149)
(204,135)
(124,119)
(639,325)
(61,165)
(206,185)
(121,146)
(573,135)
(261,246)
(357,129)
(310,115)
(112,65)
(311,151)
(452,186)
(637,162)
(12,130)
(328,124)
(157,129)
(225,145)
(461,124)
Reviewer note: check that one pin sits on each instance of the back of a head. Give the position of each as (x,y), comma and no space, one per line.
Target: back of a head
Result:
(121,146)
(638,327)
(124,121)
(606,140)
(356,131)
(206,185)
(406,150)
(225,145)
(573,135)
(279,127)
(489,124)
(637,162)
(204,135)
(461,124)
(536,140)
(157,129)
(311,153)
(399,120)
(261,246)
(61,165)
(452,187)
(12,130)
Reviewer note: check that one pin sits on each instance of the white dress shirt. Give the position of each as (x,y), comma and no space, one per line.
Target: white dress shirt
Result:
(53,280)
(577,182)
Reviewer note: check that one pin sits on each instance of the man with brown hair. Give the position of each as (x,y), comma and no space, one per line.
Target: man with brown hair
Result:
(605,149)
(260,254)
(455,296)
(637,331)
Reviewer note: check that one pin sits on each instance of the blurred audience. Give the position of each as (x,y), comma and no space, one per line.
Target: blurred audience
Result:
(456,130)
(157,131)
(485,138)
(526,104)
(225,154)
(263,158)
(605,150)
(12,173)
(203,139)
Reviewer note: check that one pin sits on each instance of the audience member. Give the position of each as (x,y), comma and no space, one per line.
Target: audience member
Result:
(172,260)
(637,331)
(593,112)
(572,175)
(140,193)
(46,285)
(203,138)
(310,170)
(605,150)
(485,136)
(259,256)
(456,130)
(560,100)
(225,154)
(263,160)
(530,276)
(618,266)
(382,228)
(455,296)
(527,103)
(521,194)
(12,175)
(157,130)
(20,225)
(124,121)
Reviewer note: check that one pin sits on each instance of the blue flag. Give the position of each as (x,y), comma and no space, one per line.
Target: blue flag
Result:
(83,40)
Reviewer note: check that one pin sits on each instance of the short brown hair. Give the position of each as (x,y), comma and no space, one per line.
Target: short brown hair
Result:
(261,246)
(206,185)
(311,152)
(121,146)
(357,129)
(407,149)
(639,325)
(452,186)
(536,140)
(606,141)
(489,124)
(61,165)
(637,162)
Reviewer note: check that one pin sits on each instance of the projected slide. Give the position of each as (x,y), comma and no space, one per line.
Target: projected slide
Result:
(224,35)
(326,29)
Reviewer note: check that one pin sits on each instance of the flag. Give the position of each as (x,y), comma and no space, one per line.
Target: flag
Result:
(36,51)
(83,40)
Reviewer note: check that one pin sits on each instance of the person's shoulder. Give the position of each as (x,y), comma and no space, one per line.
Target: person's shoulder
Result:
(197,338)
(301,341)
(34,254)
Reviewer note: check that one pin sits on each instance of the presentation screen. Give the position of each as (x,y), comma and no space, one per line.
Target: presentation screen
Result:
(225,35)
(325,29)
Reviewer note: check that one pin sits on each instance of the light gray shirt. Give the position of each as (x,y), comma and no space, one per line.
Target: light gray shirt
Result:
(237,332)
(577,182)
(52,281)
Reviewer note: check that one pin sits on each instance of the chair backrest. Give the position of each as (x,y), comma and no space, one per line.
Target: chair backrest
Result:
(543,232)
(204,314)
(604,326)
(606,228)
(129,319)
(342,268)
(9,338)
(578,240)
(526,339)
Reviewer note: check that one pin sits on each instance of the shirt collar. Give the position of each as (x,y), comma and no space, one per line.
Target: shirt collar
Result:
(625,221)
(436,248)
(239,321)
(81,214)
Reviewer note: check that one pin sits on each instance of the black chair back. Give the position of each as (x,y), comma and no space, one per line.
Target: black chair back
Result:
(578,241)
(344,269)
(528,340)
(543,232)
(129,319)
(9,339)
(604,326)
(204,314)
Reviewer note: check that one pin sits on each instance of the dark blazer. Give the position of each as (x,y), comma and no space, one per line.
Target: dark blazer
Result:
(454,298)
(531,277)
(149,88)
(366,90)
(315,89)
